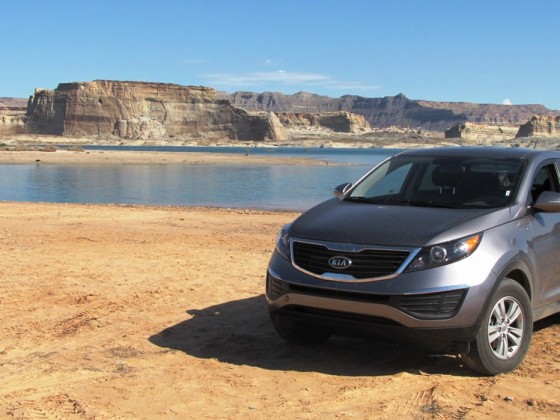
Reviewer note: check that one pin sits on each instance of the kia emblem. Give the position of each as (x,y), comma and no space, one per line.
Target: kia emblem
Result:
(340,263)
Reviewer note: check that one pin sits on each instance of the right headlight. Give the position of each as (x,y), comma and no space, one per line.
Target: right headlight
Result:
(445,253)
(283,242)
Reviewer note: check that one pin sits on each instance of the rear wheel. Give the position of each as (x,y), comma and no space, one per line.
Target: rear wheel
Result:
(505,334)
(297,334)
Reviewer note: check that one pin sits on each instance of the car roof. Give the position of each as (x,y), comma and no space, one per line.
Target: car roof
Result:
(479,151)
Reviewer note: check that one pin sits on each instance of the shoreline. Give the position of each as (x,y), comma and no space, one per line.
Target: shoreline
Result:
(157,207)
(45,149)
(126,157)
(377,138)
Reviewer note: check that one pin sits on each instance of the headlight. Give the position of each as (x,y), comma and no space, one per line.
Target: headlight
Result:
(446,253)
(283,242)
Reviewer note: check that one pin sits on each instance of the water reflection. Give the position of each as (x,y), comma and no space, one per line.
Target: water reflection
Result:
(273,187)
(268,187)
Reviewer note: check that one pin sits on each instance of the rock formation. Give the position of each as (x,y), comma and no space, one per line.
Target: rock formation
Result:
(12,116)
(169,112)
(390,111)
(338,121)
(140,110)
(17,103)
(491,114)
(480,133)
(540,126)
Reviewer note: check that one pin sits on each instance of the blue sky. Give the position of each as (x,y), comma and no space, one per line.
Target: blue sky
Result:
(482,51)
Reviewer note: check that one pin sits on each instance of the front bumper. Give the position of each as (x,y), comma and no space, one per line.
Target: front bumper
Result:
(446,302)
(427,306)
(452,340)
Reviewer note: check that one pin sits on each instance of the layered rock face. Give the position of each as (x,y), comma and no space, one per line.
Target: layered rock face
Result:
(145,111)
(17,103)
(540,126)
(378,112)
(341,121)
(390,111)
(491,114)
(140,110)
(480,133)
(12,115)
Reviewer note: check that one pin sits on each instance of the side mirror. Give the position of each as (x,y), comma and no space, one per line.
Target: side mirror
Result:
(341,189)
(548,201)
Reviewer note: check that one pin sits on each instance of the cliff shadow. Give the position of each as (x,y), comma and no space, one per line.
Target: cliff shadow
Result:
(239,332)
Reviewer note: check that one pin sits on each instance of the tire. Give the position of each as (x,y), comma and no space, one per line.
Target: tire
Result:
(298,335)
(503,339)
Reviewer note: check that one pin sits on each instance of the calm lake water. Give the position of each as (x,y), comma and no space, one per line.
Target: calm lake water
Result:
(265,187)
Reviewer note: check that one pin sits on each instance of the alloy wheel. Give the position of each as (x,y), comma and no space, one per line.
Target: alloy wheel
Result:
(506,328)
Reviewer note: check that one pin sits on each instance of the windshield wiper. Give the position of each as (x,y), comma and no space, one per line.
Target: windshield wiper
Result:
(416,203)
(401,202)
(387,200)
(370,200)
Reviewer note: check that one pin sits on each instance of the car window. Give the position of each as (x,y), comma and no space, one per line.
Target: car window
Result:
(387,180)
(546,179)
(390,184)
(456,182)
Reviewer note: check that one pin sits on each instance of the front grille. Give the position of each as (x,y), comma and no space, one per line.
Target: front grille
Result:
(368,263)
(432,305)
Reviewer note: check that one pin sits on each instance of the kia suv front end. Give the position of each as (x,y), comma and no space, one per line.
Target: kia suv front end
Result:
(454,248)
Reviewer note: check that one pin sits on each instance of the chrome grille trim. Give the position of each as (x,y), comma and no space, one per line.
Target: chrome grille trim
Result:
(391,261)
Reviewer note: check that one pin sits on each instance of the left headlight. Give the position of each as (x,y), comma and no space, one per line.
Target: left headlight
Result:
(445,253)
(283,242)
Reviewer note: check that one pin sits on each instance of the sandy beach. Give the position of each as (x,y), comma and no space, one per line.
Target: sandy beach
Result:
(147,312)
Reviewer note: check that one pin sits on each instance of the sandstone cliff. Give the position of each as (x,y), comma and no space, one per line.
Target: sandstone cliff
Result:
(141,110)
(12,115)
(390,111)
(340,121)
(480,133)
(173,113)
(540,126)
(491,114)
(19,103)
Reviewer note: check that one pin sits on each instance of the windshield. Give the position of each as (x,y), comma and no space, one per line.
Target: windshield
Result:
(455,182)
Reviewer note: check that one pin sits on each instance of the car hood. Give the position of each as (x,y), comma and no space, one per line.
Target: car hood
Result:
(361,223)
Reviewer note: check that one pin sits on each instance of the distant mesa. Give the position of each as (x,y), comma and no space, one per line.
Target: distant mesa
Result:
(481,133)
(12,115)
(14,103)
(336,121)
(147,111)
(384,112)
(144,111)
(541,126)
(391,111)
(141,110)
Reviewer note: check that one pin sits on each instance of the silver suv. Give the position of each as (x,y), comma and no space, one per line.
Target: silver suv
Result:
(456,248)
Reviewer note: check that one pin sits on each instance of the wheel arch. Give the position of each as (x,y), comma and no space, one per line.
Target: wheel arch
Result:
(497,348)
(518,271)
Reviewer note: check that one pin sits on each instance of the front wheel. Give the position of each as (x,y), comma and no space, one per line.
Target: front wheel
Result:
(504,336)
